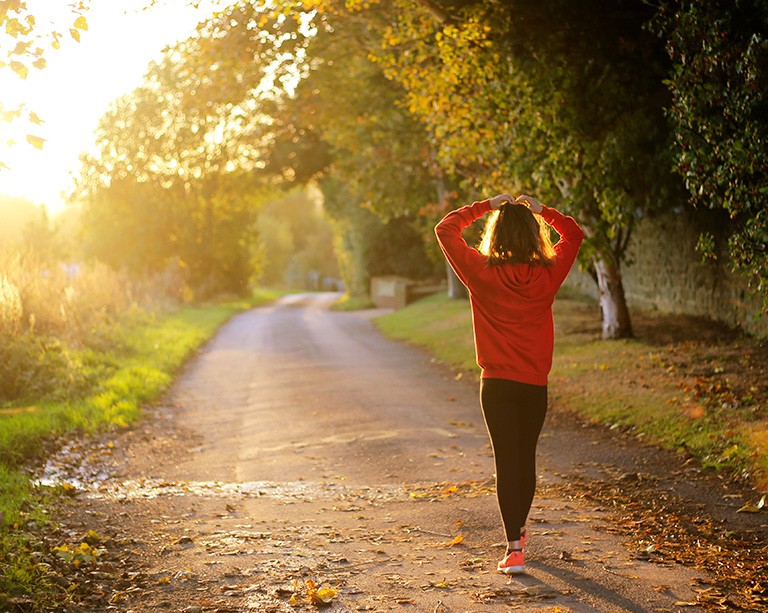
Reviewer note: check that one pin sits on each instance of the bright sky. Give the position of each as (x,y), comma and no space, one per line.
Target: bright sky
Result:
(77,85)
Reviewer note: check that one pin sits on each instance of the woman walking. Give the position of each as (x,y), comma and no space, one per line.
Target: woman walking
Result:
(512,280)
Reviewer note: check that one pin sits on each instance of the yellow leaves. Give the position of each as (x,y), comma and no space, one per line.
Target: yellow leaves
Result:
(80,24)
(441,585)
(68,489)
(317,595)
(321,596)
(35,118)
(13,27)
(84,554)
(20,69)
(468,489)
(456,541)
(360,5)
(35,141)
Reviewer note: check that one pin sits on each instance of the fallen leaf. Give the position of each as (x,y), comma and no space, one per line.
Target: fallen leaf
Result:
(322,596)
(753,508)
(458,539)
(184,574)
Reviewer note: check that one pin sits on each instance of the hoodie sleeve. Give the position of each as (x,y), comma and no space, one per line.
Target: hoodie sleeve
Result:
(567,248)
(464,260)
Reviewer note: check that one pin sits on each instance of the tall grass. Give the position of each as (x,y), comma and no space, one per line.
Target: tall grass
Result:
(52,314)
(53,299)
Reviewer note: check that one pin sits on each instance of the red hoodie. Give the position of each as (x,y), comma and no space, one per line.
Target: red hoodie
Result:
(511,303)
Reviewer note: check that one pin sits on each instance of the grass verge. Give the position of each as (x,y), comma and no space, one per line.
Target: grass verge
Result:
(352,303)
(134,368)
(682,383)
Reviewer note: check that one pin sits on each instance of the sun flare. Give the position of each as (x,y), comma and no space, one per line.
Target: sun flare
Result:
(61,104)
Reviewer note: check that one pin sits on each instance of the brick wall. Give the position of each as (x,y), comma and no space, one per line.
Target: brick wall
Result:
(665,272)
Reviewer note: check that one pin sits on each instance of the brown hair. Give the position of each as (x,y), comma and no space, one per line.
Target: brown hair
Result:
(514,234)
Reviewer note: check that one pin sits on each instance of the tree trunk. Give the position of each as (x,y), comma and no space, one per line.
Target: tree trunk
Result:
(613,303)
(456,289)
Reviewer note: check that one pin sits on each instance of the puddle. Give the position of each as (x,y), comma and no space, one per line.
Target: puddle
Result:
(289,490)
(77,465)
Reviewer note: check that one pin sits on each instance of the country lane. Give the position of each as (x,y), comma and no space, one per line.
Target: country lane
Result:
(300,450)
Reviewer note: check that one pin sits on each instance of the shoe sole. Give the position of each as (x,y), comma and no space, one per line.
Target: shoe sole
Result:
(512,570)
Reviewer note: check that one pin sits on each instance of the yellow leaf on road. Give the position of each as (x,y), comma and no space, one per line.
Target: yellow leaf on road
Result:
(753,508)
(81,23)
(322,596)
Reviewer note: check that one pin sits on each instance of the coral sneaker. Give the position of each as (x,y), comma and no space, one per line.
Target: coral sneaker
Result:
(513,564)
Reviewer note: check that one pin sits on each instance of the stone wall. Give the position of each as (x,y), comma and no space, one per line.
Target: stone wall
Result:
(665,272)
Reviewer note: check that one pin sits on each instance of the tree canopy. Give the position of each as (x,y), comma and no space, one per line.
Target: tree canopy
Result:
(400,108)
(174,176)
(719,113)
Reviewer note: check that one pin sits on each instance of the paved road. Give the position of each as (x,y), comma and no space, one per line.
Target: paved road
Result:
(301,445)
(297,391)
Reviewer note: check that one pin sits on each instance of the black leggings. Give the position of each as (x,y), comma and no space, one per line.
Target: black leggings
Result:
(514,414)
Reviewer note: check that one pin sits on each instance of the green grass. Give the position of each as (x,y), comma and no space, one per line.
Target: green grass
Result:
(625,384)
(133,370)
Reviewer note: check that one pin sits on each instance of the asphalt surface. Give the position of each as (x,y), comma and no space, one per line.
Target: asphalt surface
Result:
(300,448)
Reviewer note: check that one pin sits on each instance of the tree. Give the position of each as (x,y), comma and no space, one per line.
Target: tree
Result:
(558,98)
(379,174)
(337,121)
(174,177)
(719,111)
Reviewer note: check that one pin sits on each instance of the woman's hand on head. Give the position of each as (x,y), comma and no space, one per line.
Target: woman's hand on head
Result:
(497,201)
(530,202)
